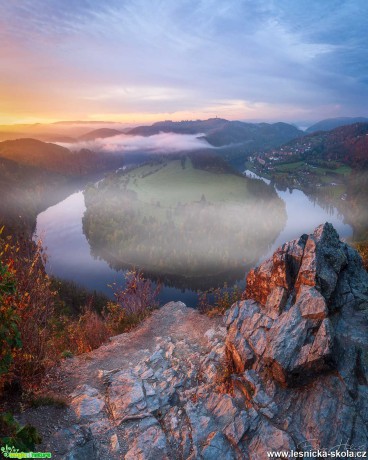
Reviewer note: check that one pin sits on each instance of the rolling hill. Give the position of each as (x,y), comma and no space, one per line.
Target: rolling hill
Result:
(234,140)
(32,152)
(24,191)
(220,132)
(329,166)
(332,123)
(179,127)
(253,136)
(100,134)
(346,144)
(52,157)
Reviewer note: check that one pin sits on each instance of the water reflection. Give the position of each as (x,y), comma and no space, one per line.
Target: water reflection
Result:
(70,257)
(304,215)
(196,231)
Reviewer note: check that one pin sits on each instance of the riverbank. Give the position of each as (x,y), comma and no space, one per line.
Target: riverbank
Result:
(69,254)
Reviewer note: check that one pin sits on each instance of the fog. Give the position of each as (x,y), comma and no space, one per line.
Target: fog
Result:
(157,143)
(181,222)
(191,240)
(181,255)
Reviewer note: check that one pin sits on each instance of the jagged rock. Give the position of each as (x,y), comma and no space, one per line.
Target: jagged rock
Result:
(236,429)
(76,443)
(87,403)
(276,301)
(126,396)
(241,352)
(311,303)
(114,441)
(178,433)
(151,443)
(279,271)
(269,438)
(217,446)
(305,321)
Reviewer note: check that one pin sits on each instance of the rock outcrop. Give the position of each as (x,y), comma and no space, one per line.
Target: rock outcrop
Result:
(299,342)
(164,407)
(289,371)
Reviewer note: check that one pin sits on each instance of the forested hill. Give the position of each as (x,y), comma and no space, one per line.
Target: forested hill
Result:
(332,123)
(219,132)
(332,167)
(100,134)
(52,157)
(347,144)
(26,190)
(179,127)
(33,152)
(35,175)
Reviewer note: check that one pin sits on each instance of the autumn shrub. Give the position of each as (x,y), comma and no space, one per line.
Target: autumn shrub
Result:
(362,248)
(133,303)
(33,314)
(9,333)
(75,335)
(217,301)
(88,332)
(225,371)
(33,305)
(72,298)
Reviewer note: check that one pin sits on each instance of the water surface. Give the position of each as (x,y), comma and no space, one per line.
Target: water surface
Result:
(69,256)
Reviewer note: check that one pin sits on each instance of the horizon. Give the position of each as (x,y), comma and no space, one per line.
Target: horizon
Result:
(141,62)
(302,125)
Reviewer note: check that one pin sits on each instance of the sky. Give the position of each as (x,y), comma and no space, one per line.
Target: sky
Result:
(147,60)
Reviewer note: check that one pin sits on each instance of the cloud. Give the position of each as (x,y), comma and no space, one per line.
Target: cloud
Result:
(157,143)
(156,57)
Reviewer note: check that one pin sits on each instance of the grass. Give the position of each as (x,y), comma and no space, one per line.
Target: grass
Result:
(331,173)
(341,170)
(336,191)
(47,400)
(67,354)
(321,175)
(172,184)
(289,166)
(37,399)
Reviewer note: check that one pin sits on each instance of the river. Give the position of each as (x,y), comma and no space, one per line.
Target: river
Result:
(69,256)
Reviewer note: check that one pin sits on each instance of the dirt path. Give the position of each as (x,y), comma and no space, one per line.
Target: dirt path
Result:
(124,351)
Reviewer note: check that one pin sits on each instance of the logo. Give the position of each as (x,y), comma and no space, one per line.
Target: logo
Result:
(12,452)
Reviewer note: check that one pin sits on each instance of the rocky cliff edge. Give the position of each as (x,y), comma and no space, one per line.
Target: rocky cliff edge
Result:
(287,371)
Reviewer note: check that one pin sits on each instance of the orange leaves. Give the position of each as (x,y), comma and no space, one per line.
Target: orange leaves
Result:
(33,304)
(80,335)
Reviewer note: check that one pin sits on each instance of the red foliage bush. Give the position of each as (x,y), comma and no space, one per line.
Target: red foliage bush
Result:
(132,304)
